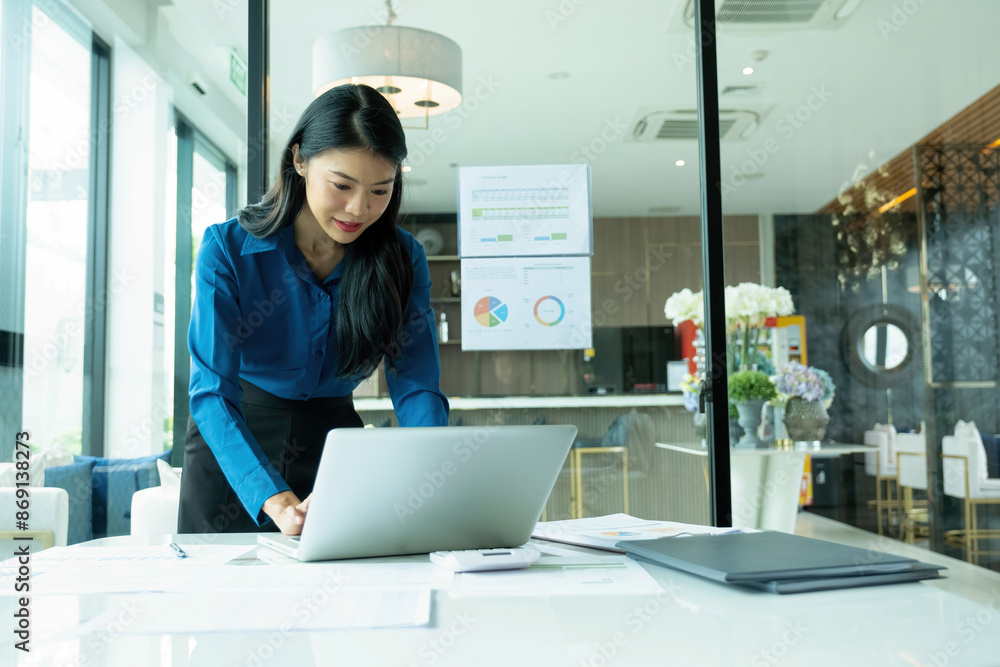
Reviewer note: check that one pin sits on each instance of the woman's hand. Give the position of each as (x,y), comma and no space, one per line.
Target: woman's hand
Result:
(287,512)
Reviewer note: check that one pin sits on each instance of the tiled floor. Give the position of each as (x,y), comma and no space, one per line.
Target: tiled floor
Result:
(969,581)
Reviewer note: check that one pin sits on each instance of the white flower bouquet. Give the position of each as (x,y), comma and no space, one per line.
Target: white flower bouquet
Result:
(683,306)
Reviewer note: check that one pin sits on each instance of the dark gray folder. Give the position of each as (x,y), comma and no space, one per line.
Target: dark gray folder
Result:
(918,572)
(766,557)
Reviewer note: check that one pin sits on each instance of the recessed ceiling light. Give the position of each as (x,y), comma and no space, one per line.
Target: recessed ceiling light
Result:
(680,163)
(558,76)
(405,169)
(748,70)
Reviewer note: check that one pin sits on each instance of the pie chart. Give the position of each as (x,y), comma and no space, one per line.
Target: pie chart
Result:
(490,311)
(549,311)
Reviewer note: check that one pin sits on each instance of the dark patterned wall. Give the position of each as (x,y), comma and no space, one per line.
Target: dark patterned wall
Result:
(959,196)
(833,267)
(960,188)
(815,261)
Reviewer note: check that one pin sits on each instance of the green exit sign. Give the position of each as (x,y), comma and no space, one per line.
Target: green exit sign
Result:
(238,72)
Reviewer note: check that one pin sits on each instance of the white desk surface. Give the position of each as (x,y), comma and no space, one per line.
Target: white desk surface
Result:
(534,402)
(692,622)
(826,450)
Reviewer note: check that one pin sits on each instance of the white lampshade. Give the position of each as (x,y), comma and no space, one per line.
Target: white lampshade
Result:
(419,72)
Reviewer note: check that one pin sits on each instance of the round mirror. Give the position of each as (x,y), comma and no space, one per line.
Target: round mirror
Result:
(881,344)
(883,347)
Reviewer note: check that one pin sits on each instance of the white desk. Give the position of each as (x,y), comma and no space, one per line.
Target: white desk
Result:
(362,404)
(693,622)
(766,482)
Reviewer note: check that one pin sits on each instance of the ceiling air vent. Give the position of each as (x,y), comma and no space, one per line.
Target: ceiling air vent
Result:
(682,124)
(777,14)
(740,91)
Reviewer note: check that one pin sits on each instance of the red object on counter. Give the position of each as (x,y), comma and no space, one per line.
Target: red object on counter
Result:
(687,330)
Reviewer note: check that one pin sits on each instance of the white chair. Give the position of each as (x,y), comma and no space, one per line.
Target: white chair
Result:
(961,461)
(48,518)
(882,466)
(154,510)
(911,465)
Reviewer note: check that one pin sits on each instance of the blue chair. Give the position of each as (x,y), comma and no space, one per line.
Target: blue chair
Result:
(100,492)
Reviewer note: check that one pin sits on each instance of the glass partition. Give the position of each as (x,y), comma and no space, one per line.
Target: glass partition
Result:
(563,99)
(867,161)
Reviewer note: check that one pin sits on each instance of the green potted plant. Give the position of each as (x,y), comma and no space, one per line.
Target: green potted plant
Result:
(749,390)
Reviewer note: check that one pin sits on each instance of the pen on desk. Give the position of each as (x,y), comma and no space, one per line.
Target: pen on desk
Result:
(177,550)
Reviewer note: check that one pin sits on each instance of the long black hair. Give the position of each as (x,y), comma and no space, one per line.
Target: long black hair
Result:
(377,272)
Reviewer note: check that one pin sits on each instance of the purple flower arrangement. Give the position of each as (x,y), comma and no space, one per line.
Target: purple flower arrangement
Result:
(796,380)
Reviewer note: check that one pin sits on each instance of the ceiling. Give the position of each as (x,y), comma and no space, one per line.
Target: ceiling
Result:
(876,83)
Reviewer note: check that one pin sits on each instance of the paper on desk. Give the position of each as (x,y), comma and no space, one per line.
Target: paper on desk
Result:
(579,576)
(71,580)
(62,579)
(280,609)
(603,532)
(340,574)
(80,556)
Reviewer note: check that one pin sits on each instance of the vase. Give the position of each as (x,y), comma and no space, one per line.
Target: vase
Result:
(735,431)
(699,353)
(780,431)
(750,421)
(701,427)
(805,420)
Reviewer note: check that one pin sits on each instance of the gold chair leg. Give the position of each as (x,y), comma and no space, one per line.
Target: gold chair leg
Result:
(908,528)
(625,475)
(892,508)
(968,533)
(572,484)
(878,503)
(578,465)
(973,533)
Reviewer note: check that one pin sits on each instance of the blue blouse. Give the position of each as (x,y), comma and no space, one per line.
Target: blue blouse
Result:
(261,314)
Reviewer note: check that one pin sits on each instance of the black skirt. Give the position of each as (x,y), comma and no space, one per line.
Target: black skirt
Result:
(290,433)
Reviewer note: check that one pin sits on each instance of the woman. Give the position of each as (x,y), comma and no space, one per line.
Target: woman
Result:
(297,300)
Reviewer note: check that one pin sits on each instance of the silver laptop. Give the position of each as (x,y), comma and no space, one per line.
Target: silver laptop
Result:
(391,491)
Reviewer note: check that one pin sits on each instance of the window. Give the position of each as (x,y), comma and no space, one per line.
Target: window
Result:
(201,191)
(59,148)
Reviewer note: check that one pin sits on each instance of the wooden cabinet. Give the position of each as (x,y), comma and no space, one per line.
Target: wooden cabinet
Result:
(639,262)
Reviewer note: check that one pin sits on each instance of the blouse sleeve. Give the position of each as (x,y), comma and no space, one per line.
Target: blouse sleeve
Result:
(415,385)
(214,390)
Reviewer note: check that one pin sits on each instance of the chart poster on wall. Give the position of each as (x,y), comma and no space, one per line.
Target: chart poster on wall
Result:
(526,303)
(526,211)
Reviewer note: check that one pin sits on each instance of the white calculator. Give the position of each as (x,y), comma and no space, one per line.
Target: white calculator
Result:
(481,560)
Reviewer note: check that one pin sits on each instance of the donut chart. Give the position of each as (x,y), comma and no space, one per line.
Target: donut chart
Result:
(549,311)
(490,311)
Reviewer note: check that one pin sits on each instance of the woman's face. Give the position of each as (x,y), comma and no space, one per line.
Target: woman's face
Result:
(346,190)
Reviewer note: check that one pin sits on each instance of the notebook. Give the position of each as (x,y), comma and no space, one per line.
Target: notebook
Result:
(770,556)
